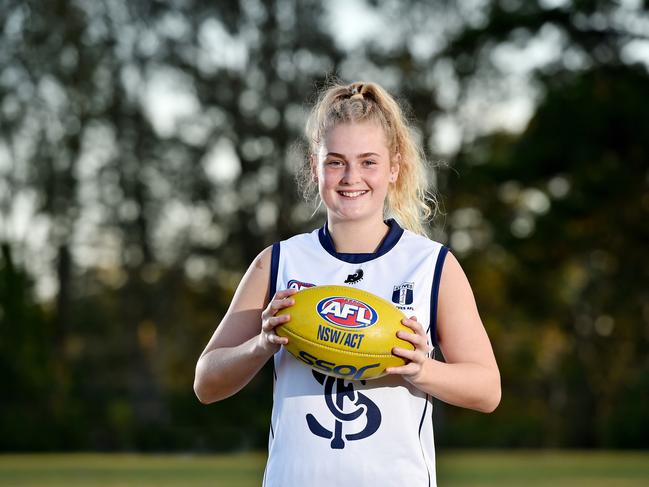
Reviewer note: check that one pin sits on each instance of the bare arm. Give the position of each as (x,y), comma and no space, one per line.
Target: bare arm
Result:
(470,377)
(245,338)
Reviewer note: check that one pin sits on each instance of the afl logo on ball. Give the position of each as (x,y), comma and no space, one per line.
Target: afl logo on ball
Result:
(346,312)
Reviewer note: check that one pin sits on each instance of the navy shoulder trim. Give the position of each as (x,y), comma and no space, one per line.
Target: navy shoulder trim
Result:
(391,239)
(434,293)
(274,268)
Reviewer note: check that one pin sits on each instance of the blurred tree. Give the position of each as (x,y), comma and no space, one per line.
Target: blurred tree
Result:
(143,204)
(565,206)
(533,217)
(153,141)
(26,362)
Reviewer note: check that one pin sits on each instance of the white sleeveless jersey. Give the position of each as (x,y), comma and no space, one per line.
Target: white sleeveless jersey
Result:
(334,432)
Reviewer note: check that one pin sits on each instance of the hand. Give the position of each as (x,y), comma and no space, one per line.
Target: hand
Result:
(268,339)
(416,358)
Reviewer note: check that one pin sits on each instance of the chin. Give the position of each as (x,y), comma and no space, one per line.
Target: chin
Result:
(357,216)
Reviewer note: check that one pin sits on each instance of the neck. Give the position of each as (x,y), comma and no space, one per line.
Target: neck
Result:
(357,237)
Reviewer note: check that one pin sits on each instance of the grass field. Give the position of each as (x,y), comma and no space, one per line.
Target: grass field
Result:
(458,468)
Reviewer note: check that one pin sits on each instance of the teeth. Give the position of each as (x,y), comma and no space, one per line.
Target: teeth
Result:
(352,194)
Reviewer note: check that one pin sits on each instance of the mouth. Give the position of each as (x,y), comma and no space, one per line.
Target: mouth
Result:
(352,194)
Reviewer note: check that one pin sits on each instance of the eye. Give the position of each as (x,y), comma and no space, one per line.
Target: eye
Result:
(369,162)
(334,162)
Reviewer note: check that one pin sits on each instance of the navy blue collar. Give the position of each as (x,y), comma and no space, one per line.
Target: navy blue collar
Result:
(390,240)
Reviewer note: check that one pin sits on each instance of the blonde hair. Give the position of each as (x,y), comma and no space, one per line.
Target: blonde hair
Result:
(408,198)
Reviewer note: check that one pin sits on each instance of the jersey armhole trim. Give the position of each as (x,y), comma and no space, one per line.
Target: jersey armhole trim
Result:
(272,288)
(434,294)
(421,423)
(274,269)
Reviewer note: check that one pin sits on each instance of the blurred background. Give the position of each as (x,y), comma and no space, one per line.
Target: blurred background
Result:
(148,152)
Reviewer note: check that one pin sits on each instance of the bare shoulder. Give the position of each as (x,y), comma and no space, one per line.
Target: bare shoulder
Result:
(462,335)
(262,261)
(453,276)
(242,321)
(455,293)
(255,280)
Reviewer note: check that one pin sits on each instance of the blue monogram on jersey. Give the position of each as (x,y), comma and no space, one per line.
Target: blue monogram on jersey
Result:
(342,416)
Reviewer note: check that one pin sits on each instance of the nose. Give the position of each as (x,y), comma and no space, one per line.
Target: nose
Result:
(351,174)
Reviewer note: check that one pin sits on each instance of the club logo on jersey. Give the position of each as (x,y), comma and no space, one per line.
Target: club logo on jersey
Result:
(339,403)
(403,294)
(354,278)
(347,313)
(295,284)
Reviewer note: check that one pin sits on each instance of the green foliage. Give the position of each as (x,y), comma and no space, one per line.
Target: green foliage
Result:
(574,306)
(26,361)
(147,234)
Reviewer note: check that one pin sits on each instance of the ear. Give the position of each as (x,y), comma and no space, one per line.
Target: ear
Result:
(313,164)
(394,168)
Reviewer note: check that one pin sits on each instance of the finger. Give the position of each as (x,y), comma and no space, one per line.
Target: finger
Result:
(278,304)
(271,323)
(279,320)
(281,299)
(277,340)
(414,325)
(419,341)
(412,355)
(284,293)
(409,369)
(411,335)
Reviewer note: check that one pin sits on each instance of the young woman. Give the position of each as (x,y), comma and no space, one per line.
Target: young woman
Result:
(326,431)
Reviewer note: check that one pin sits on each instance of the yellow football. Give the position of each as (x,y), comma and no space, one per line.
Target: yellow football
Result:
(344,332)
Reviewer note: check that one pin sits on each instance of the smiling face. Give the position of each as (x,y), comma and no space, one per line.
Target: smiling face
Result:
(354,171)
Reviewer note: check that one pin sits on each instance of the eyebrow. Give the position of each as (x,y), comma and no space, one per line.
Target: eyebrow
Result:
(364,154)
